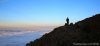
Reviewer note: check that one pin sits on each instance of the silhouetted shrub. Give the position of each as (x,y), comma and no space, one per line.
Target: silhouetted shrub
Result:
(71,24)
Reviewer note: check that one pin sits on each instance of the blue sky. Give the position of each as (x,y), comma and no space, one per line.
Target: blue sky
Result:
(46,12)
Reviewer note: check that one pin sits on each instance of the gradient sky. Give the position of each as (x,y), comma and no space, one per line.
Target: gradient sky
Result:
(45,12)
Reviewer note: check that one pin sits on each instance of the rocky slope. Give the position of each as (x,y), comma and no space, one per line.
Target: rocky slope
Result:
(84,31)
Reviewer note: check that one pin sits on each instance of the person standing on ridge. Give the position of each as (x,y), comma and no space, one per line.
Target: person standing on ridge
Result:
(67,20)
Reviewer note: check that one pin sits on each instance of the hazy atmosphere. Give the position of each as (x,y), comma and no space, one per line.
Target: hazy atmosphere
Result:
(30,19)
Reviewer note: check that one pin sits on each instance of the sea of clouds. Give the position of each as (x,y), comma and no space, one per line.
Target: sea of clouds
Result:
(18,37)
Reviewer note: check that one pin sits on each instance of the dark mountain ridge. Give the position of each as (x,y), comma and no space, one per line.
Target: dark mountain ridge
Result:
(84,31)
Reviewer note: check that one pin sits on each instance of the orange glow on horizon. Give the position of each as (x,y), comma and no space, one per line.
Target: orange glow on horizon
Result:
(27,26)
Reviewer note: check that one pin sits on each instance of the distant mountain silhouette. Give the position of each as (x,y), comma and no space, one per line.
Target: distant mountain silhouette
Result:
(84,31)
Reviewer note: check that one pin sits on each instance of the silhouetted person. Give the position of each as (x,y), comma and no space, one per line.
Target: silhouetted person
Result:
(67,20)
